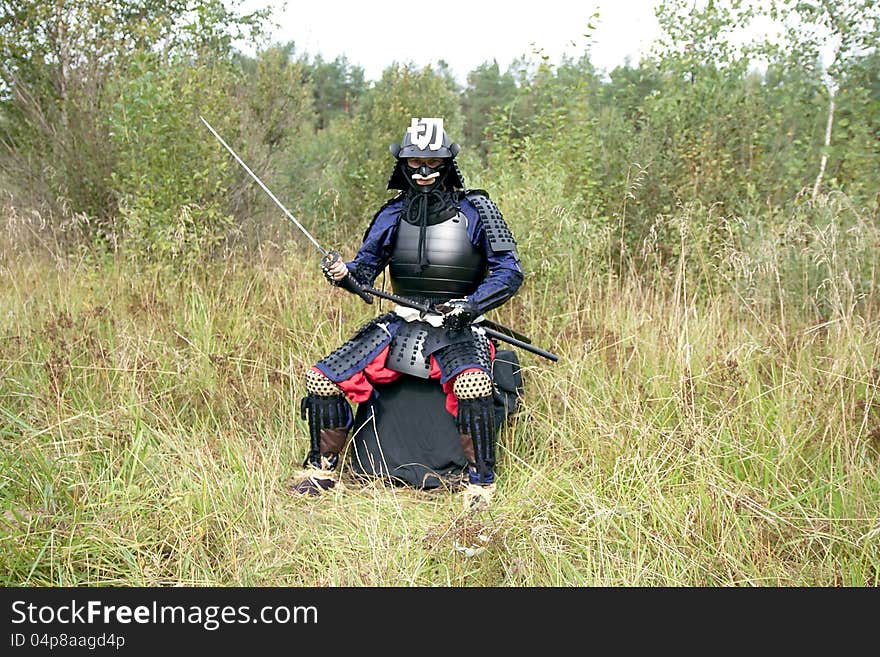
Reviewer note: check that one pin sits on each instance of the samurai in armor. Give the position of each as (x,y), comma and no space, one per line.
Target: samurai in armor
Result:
(446,247)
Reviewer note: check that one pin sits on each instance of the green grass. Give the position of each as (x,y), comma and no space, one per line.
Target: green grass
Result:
(149,428)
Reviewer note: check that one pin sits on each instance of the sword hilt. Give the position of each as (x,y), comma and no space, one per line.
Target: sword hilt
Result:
(348,283)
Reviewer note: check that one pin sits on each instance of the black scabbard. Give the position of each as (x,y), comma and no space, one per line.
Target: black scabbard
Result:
(490,331)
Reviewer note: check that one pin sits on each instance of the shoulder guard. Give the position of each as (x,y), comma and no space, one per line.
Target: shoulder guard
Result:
(379,211)
(500,237)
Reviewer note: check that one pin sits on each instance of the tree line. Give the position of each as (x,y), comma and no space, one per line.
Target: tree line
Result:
(100,133)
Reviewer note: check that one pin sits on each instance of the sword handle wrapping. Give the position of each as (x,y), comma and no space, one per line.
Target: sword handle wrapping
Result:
(349,283)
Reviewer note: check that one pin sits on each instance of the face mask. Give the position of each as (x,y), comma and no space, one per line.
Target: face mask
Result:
(425,177)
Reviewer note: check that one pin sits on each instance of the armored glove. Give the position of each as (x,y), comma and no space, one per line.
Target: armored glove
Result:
(457,314)
(327,261)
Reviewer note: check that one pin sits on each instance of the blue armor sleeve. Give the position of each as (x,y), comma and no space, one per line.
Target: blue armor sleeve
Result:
(504,275)
(375,251)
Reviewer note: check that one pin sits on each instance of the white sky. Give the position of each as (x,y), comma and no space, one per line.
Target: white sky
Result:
(375,34)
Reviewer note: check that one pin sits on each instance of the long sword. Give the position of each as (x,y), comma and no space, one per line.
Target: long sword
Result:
(348,282)
(265,189)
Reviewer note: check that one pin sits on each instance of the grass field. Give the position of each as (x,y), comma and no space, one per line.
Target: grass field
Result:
(149,425)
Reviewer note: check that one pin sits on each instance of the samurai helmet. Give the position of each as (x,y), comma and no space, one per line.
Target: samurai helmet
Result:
(426,140)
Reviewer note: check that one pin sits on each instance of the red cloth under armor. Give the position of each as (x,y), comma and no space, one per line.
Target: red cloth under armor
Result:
(359,386)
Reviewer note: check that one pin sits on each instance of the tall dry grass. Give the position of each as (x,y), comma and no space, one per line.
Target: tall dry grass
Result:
(713,420)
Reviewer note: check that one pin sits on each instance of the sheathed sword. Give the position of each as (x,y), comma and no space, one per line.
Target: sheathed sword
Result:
(501,332)
(491,328)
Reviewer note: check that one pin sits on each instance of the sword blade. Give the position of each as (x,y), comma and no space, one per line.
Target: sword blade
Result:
(265,189)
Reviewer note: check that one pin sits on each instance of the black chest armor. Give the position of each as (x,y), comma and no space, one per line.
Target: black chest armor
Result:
(454,268)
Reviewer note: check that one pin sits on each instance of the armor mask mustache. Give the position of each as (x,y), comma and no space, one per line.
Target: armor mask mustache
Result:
(424,172)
